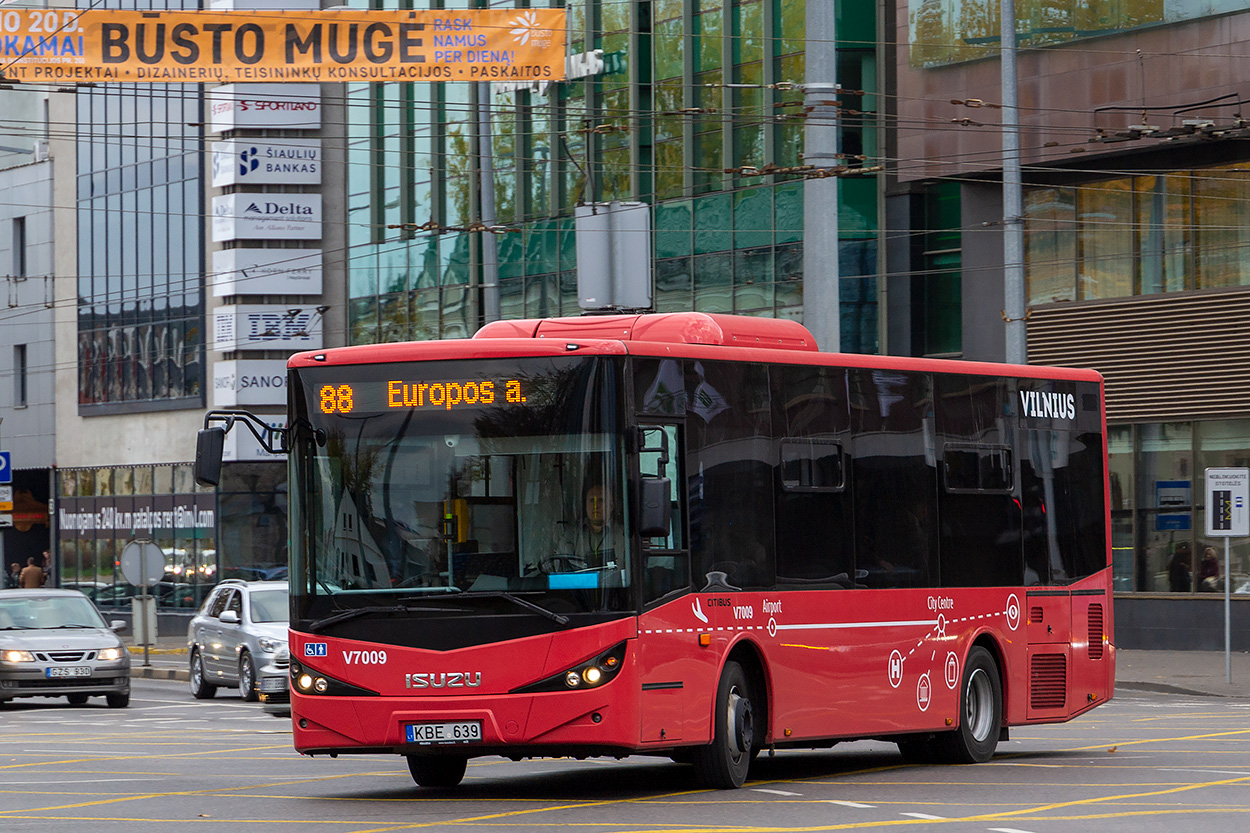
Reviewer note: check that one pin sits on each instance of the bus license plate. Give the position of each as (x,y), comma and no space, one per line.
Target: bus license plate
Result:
(463,731)
(70,671)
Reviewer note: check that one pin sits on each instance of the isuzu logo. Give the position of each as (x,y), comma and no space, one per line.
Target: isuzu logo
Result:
(450,679)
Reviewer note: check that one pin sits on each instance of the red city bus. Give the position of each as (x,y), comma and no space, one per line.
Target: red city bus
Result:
(691,536)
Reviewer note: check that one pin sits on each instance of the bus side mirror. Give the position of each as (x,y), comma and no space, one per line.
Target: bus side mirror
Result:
(657,511)
(209,444)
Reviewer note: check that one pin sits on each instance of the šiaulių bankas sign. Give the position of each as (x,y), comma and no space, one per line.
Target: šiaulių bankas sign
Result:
(60,46)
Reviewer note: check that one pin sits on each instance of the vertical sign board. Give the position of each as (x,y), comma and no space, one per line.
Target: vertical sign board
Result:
(1228,516)
(1228,493)
(6,476)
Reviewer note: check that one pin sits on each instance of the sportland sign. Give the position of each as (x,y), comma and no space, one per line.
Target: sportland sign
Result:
(103,45)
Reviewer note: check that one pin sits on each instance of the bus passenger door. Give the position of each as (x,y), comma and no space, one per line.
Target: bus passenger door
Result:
(665,555)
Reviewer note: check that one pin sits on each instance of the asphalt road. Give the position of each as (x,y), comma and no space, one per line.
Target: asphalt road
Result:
(1144,762)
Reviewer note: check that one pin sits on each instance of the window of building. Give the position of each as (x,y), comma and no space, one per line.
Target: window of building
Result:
(936,294)
(1138,235)
(19,375)
(19,247)
(141,249)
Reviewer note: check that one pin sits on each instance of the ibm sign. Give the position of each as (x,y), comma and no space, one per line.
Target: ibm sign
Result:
(266,327)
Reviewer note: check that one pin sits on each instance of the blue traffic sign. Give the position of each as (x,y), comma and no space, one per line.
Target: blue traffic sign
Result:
(6,470)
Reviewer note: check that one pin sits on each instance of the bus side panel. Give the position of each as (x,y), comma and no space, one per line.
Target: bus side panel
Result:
(1093,661)
(841,663)
(678,676)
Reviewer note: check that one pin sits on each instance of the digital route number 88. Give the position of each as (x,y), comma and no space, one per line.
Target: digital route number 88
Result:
(336,400)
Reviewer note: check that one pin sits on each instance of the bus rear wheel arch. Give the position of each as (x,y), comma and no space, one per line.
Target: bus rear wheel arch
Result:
(980,713)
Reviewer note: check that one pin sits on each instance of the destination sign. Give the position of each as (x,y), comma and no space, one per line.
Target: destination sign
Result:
(442,395)
(100,45)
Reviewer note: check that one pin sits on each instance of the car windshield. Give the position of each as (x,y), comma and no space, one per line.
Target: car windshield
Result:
(270,605)
(48,613)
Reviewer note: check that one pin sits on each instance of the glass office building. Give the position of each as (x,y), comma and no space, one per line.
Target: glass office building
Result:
(694,111)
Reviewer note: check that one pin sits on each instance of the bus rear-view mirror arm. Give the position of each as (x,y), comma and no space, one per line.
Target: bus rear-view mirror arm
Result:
(211,441)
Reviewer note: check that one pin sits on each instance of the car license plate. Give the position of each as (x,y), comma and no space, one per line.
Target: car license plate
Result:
(463,731)
(70,671)
(272,684)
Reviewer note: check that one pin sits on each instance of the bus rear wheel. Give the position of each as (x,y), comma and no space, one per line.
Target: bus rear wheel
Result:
(437,771)
(980,713)
(723,764)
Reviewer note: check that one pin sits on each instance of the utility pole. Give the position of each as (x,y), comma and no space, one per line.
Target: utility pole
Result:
(486,198)
(1017,351)
(821,312)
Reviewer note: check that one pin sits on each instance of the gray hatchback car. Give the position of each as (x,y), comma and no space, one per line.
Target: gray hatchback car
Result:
(237,638)
(53,643)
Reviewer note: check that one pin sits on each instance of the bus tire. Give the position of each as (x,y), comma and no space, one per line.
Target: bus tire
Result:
(980,713)
(437,771)
(723,764)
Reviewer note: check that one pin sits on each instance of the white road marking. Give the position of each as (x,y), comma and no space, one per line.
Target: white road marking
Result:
(925,816)
(774,792)
(1008,830)
(854,804)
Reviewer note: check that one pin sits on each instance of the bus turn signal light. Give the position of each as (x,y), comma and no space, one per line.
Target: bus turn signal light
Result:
(705,639)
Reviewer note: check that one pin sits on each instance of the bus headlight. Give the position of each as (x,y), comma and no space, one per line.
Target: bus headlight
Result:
(592,673)
(305,680)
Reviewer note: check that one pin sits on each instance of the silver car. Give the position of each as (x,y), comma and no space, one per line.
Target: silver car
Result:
(241,629)
(53,643)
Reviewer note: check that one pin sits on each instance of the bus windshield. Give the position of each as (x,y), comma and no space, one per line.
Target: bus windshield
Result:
(458,478)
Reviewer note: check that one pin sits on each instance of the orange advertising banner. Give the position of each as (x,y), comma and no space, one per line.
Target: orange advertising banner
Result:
(65,46)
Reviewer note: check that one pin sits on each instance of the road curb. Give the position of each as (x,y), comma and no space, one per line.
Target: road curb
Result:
(148,672)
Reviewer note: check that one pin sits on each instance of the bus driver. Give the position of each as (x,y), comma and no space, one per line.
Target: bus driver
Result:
(587,543)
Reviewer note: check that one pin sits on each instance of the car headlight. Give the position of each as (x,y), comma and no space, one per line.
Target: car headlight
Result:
(17,656)
(269,646)
(109,654)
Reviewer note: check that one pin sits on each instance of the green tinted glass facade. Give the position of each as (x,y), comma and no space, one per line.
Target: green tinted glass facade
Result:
(694,109)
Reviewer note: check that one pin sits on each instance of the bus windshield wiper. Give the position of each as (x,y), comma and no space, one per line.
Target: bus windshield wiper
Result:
(558,618)
(357,612)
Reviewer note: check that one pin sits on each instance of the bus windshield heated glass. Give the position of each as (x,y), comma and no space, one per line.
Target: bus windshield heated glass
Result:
(461,478)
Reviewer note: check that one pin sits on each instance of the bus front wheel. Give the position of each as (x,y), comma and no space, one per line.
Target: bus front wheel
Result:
(437,771)
(980,713)
(723,764)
